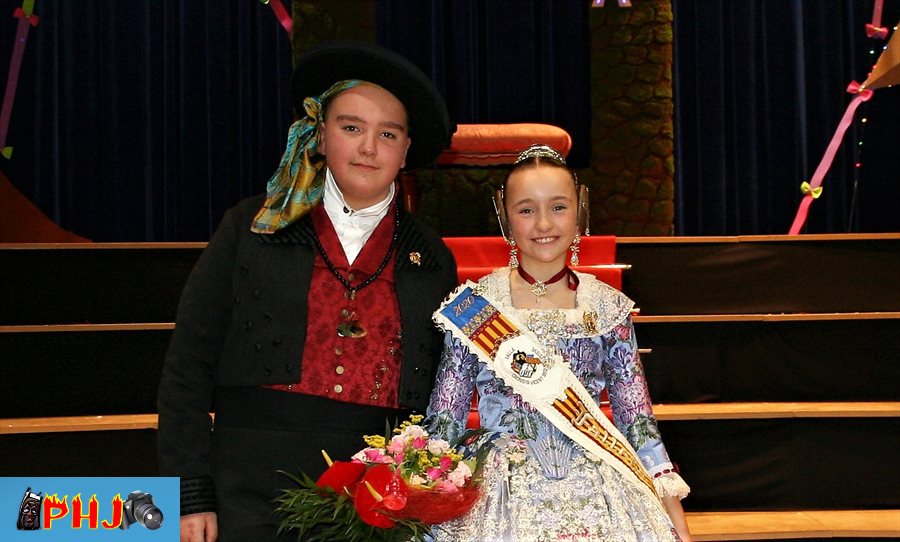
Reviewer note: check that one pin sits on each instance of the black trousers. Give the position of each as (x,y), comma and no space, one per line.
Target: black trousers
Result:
(259,432)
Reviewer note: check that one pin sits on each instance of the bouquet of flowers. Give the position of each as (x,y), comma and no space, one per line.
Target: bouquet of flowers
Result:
(392,490)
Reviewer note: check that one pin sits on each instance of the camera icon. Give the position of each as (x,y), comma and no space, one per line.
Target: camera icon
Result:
(140,509)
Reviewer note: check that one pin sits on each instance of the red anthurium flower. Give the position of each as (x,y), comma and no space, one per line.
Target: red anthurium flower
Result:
(381,490)
(342,475)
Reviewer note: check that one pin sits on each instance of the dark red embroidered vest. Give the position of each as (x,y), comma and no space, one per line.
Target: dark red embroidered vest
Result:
(364,370)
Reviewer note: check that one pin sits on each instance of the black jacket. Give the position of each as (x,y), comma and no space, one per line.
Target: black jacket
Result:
(242,322)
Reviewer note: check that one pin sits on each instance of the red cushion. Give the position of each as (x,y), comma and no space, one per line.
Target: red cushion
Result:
(477,256)
(498,144)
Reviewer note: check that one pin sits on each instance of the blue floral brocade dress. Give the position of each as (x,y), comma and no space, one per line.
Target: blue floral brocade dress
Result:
(538,484)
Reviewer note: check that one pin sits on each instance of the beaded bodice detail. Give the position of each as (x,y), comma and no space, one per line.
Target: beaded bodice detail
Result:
(598,309)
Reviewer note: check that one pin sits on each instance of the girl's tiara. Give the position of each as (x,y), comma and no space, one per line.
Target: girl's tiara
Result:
(540,151)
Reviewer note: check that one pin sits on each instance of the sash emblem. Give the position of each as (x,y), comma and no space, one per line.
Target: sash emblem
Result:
(524,365)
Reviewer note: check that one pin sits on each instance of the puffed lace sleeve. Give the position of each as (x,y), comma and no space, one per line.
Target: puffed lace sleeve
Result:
(454,386)
(633,411)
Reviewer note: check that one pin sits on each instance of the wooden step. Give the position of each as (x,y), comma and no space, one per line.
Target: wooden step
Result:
(743,411)
(781,317)
(638,318)
(794,239)
(61,424)
(76,328)
(701,411)
(802,524)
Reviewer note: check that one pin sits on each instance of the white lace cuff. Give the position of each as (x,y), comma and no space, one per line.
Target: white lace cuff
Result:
(671,485)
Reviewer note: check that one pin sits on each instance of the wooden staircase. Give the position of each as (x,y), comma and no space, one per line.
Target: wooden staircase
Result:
(83,331)
(775,366)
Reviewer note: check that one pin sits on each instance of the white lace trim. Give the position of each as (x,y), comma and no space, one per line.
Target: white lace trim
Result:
(609,307)
(671,485)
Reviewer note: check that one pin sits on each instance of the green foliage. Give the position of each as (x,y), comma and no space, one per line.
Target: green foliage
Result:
(317,514)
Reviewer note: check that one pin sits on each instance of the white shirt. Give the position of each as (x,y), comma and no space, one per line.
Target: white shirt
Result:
(353,226)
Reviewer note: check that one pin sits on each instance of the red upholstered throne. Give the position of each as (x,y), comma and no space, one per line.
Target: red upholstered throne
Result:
(488,145)
(478,256)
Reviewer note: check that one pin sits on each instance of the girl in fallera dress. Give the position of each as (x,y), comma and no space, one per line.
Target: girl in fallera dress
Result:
(540,342)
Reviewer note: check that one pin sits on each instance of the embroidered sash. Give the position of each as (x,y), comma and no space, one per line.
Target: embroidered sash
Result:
(542,378)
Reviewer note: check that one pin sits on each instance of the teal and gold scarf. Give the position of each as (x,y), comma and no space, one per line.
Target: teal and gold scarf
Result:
(298,183)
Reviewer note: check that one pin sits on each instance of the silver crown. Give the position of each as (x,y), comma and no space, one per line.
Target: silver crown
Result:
(540,151)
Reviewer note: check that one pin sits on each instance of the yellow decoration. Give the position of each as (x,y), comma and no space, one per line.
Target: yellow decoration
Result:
(809,191)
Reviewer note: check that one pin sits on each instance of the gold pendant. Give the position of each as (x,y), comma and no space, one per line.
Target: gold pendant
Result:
(351,330)
(538,289)
(350,326)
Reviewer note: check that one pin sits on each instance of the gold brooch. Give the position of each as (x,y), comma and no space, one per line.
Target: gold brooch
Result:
(590,322)
(415,258)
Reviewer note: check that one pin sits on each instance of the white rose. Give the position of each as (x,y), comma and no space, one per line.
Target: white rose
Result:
(413,431)
(438,446)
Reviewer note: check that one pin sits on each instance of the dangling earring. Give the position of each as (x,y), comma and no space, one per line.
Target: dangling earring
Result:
(574,248)
(513,253)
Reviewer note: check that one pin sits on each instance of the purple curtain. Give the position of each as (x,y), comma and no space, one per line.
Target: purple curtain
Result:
(145,120)
(501,61)
(759,91)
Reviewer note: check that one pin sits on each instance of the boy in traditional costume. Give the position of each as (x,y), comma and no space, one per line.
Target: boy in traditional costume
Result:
(540,342)
(306,321)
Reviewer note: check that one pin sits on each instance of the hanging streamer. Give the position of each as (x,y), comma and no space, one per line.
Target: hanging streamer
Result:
(885,74)
(281,14)
(27,19)
(813,189)
(874,29)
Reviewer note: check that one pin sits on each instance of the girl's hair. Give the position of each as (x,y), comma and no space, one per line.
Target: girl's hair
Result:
(537,155)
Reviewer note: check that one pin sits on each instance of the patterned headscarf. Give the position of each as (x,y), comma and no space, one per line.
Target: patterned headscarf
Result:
(298,183)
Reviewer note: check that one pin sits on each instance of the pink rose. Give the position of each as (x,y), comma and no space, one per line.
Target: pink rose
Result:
(374,455)
(396,445)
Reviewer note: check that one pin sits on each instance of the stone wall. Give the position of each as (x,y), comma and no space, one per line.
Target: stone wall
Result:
(632,163)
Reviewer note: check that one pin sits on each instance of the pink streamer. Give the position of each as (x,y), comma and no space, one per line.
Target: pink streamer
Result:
(282,15)
(15,64)
(825,164)
(876,12)
(874,29)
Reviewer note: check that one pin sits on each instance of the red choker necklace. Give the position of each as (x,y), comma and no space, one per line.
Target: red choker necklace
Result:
(539,288)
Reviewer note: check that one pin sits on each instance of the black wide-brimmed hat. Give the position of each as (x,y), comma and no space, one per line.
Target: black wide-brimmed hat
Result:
(327,63)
